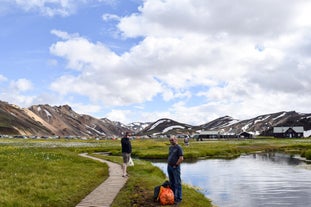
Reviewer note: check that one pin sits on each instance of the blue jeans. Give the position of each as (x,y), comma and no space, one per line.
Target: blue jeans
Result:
(175,180)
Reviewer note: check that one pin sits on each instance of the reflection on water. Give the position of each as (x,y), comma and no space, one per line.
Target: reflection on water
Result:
(259,180)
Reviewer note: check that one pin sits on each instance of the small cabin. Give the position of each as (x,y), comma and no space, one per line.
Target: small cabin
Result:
(245,135)
(288,132)
(210,134)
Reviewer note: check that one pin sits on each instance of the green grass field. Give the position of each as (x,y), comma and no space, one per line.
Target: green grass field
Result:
(31,176)
(51,173)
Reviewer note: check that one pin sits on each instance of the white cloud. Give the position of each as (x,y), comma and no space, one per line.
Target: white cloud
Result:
(63,35)
(21,85)
(17,92)
(48,7)
(85,108)
(107,17)
(176,17)
(82,54)
(303,15)
(103,74)
(249,57)
(3,78)
(119,115)
(54,7)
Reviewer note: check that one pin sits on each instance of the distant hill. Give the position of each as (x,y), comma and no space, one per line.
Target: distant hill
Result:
(166,126)
(16,121)
(260,125)
(46,120)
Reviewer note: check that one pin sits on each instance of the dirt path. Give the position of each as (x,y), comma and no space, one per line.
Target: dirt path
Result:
(105,193)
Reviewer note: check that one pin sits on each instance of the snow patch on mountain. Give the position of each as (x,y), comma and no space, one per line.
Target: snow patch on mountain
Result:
(157,123)
(172,127)
(283,114)
(244,128)
(260,119)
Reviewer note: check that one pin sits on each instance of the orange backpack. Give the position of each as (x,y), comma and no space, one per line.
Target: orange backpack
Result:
(166,196)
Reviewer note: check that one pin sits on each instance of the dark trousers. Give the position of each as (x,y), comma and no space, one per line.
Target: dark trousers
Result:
(175,180)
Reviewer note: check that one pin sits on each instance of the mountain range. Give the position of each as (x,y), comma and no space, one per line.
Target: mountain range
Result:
(62,121)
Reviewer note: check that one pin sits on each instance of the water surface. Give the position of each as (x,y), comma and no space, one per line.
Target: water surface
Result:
(261,180)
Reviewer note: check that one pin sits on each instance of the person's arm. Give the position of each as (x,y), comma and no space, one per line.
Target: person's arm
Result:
(180,159)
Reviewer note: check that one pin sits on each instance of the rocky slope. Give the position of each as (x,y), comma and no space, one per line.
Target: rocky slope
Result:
(261,125)
(166,126)
(15,121)
(46,120)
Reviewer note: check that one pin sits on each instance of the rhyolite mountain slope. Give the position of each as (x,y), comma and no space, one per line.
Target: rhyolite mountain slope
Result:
(17,121)
(46,120)
(63,121)
(260,125)
(166,126)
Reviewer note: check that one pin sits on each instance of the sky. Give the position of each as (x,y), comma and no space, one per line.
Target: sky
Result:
(142,60)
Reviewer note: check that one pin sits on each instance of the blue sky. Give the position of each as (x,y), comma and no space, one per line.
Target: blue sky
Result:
(142,60)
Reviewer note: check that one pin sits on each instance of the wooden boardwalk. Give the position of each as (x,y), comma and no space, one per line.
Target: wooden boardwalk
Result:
(105,193)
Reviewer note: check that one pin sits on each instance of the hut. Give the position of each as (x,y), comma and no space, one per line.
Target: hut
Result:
(288,132)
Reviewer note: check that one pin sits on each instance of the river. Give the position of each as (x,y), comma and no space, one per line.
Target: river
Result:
(258,180)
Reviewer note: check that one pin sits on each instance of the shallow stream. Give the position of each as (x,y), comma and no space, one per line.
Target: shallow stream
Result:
(259,180)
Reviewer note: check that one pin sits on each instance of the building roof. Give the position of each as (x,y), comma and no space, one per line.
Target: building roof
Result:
(284,129)
(246,133)
(209,132)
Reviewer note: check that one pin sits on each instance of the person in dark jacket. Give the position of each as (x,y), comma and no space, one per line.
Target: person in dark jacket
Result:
(126,152)
(175,158)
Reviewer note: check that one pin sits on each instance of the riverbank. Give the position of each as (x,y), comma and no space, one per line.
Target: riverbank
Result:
(157,149)
(256,180)
(143,177)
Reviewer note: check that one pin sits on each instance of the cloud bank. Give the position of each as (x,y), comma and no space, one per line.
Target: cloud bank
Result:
(202,59)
